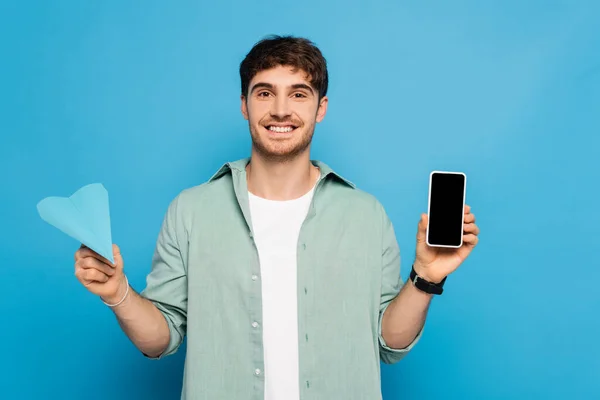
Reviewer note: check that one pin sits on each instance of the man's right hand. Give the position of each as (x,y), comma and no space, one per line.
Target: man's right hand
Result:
(99,275)
(139,318)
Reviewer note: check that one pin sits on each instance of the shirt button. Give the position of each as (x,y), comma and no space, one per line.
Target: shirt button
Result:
(257,371)
(255,324)
(254,277)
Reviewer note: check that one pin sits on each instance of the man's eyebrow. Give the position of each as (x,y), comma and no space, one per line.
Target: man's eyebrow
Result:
(303,86)
(265,85)
(262,85)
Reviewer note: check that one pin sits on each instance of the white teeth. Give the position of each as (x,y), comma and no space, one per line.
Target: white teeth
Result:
(281,129)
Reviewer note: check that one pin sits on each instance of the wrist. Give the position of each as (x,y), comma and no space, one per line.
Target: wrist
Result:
(424,284)
(423,273)
(120,295)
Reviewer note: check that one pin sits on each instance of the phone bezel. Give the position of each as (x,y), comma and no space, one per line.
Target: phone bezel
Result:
(463,207)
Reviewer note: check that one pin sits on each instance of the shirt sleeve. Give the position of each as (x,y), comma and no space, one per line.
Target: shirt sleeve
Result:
(166,284)
(391,283)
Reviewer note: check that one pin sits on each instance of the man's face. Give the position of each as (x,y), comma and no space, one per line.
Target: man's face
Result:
(282,109)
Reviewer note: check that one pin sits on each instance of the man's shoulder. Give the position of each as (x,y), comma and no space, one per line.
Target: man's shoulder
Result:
(214,191)
(208,191)
(356,199)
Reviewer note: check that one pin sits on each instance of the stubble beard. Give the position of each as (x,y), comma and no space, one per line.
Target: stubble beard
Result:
(284,150)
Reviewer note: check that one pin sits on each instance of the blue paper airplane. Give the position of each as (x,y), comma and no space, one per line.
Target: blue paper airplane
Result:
(84,216)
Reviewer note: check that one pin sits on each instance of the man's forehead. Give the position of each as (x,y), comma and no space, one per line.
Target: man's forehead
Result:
(282,76)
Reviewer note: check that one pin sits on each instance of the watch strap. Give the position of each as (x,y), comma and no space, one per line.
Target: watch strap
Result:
(426,286)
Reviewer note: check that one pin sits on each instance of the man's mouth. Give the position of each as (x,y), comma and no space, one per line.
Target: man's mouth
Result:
(281,129)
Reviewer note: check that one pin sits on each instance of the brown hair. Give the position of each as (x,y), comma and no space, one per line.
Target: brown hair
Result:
(296,52)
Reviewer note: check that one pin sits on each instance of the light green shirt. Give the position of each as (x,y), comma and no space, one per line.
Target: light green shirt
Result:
(206,280)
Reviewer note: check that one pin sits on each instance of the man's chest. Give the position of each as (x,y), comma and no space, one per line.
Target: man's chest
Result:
(330,259)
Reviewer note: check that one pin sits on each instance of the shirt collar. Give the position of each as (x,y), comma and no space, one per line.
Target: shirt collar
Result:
(240,166)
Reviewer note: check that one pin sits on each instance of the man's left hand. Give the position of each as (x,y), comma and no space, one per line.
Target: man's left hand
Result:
(435,263)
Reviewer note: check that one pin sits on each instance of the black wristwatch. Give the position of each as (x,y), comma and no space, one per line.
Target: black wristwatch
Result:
(425,285)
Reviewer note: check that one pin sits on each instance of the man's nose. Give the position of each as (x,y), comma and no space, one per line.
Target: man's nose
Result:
(281,107)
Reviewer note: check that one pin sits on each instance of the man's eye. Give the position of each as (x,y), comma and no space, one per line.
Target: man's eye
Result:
(263,94)
(299,95)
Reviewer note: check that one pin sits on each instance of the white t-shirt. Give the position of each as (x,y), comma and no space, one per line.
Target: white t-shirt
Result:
(276,227)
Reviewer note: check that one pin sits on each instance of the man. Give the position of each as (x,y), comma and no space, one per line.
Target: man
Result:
(283,276)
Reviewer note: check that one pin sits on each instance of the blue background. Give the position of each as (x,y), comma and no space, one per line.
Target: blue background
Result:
(144,97)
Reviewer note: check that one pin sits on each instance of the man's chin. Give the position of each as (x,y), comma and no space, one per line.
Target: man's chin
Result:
(280,146)
(279,153)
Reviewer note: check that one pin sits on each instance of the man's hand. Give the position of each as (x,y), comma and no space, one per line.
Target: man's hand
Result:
(99,275)
(435,263)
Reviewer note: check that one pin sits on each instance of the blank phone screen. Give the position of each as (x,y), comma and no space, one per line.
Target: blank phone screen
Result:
(446,209)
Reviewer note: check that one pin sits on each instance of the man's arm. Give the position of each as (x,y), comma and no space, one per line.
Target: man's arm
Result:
(404,309)
(155,319)
(405,317)
(166,285)
(141,321)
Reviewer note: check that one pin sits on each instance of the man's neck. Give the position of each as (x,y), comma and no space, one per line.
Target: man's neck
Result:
(280,181)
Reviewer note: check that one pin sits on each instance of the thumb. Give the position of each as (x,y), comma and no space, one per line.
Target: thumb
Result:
(118,258)
(422,229)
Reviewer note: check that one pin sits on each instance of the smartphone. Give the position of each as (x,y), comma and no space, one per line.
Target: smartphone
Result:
(446,209)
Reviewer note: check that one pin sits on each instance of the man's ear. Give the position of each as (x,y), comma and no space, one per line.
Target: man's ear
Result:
(322,110)
(244,107)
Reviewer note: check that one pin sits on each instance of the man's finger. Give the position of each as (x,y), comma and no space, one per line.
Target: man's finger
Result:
(422,228)
(79,251)
(470,239)
(469,218)
(117,256)
(89,275)
(93,263)
(87,252)
(471,228)
(93,275)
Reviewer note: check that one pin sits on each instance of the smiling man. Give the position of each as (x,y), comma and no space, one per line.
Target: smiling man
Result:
(282,274)
(285,109)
